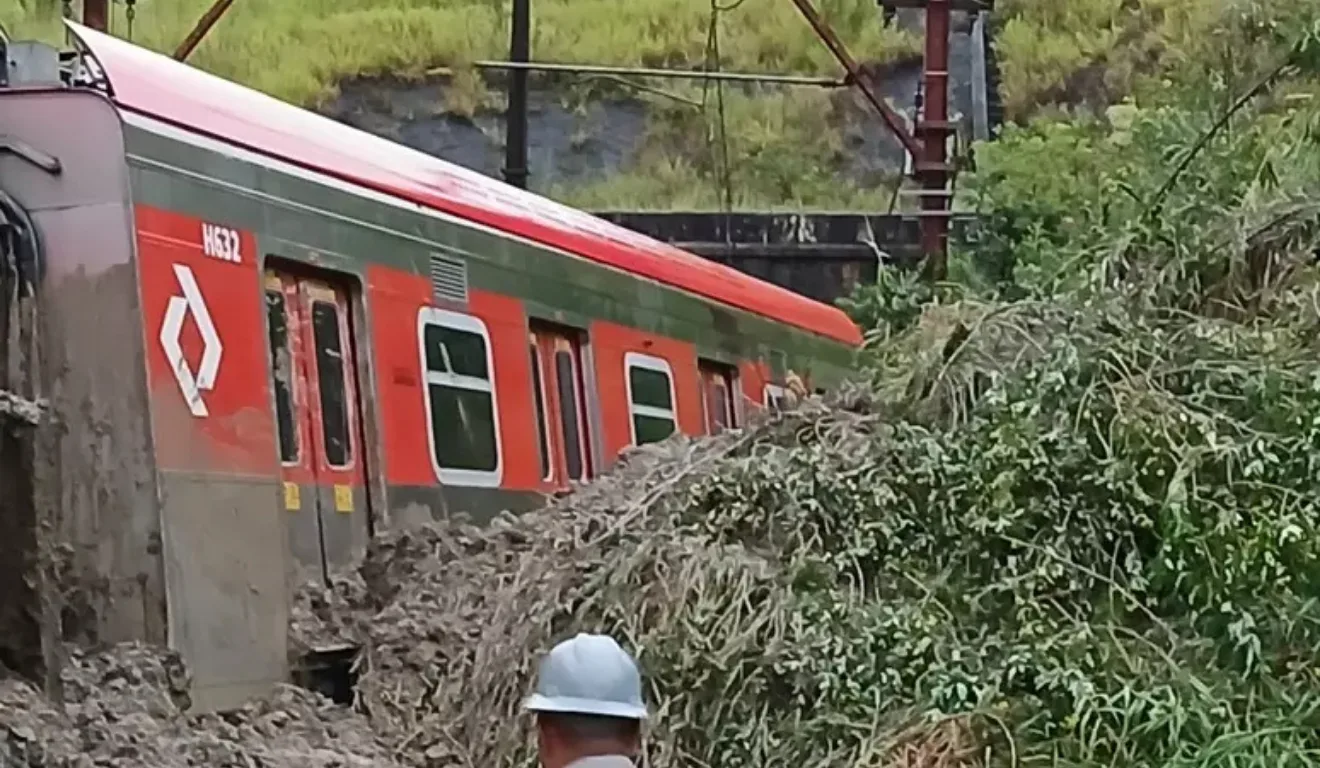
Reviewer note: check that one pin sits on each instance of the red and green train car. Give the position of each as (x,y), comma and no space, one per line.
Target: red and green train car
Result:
(270,335)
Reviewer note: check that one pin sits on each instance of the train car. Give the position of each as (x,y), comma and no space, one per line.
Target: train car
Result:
(267,335)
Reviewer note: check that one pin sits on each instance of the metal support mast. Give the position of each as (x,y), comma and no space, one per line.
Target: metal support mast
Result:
(515,132)
(201,29)
(932,168)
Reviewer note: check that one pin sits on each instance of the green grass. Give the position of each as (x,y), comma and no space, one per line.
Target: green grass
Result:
(1087,50)
(783,147)
(299,49)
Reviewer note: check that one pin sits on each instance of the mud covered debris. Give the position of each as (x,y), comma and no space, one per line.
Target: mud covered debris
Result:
(710,559)
(32,731)
(125,706)
(329,616)
(679,553)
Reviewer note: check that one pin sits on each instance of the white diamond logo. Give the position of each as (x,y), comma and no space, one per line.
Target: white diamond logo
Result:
(191,385)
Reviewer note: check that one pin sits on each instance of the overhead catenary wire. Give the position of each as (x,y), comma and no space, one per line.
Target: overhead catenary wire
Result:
(670,74)
(722,166)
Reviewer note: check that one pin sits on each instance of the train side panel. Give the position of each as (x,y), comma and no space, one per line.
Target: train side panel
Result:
(453,330)
(101,464)
(224,550)
(646,382)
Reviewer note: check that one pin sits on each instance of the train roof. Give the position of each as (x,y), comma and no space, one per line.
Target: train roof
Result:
(157,86)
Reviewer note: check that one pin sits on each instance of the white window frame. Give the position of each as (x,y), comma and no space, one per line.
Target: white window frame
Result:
(544,419)
(771,393)
(633,360)
(459,321)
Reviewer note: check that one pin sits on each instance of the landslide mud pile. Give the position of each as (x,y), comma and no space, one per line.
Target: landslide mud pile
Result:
(698,555)
(1068,533)
(1103,552)
(125,708)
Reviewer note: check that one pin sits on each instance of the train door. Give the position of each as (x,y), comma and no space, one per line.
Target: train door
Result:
(561,404)
(318,418)
(717,388)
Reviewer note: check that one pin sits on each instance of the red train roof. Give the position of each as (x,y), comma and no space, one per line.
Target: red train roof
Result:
(162,88)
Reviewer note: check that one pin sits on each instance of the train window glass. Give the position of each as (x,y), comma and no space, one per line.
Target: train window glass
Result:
(566,376)
(461,402)
(281,372)
(718,382)
(650,398)
(330,383)
(719,401)
(542,424)
(456,351)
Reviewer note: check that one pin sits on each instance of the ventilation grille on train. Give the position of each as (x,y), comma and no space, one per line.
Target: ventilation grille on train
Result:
(449,278)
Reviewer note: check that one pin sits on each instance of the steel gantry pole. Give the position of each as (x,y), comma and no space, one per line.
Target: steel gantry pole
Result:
(932,168)
(856,76)
(515,130)
(928,144)
(201,29)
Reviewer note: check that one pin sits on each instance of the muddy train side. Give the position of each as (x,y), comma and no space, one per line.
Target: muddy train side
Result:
(255,365)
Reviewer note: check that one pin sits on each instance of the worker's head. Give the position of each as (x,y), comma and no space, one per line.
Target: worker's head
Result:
(588,702)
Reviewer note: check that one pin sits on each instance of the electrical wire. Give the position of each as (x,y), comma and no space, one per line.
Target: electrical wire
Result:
(723,167)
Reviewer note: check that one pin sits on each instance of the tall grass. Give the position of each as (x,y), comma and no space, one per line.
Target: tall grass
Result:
(298,49)
(786,152)
(783,147)
(1058,50)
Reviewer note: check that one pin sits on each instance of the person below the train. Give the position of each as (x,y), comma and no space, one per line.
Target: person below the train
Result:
(588,705)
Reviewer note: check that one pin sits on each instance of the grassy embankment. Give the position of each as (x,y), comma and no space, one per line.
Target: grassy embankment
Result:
(786,145)
(299,50)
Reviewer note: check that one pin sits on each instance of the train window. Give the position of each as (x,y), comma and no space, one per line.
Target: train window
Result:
(460,398)
(650,398)
(774,397)
(559,351)
(330,383)
(281,366)
(566,377)
(718,385)
(542,425)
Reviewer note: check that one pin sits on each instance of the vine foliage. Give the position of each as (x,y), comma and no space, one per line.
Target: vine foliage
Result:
(1093,519)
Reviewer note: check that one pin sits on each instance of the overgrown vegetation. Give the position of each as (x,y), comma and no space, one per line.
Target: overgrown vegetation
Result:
(1070,518)
(784,145)
(1096,52)
(1183,166)
(299,49)
(1097,504)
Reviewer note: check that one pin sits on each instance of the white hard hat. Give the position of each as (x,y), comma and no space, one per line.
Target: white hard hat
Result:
(589,675)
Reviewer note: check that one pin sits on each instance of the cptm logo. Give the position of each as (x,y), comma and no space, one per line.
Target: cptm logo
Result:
(191,385)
